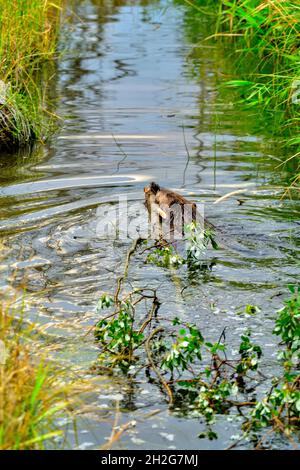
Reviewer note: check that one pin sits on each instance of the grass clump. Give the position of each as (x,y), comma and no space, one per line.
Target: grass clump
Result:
(33,394)
(28,39)
(196,372)
(263,36)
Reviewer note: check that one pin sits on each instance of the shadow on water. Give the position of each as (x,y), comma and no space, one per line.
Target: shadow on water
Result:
(136,95)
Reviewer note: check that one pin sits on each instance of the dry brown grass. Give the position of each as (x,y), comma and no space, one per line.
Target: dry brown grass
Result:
(33,393)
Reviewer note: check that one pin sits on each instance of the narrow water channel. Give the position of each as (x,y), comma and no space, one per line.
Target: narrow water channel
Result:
(139,103)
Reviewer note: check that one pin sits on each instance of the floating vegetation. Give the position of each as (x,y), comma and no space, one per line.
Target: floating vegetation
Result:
(196,242)
(196,374)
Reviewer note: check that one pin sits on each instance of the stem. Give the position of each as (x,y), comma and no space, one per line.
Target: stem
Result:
(149,355)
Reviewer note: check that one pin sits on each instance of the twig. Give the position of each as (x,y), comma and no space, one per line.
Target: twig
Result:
(152,313)
(242,403)
(114,313)
(121,279)
(188,156)
(226,196)
(149,355)
(234,444)
(116,435)
(122,151)
(264,437)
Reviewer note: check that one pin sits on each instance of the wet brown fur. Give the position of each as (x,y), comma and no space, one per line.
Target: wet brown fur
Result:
(165,198)
(160,201)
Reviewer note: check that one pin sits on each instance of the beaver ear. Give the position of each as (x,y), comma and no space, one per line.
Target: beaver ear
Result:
(154,187)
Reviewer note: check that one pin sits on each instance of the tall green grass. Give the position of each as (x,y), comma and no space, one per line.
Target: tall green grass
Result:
(28,39)
(264,36)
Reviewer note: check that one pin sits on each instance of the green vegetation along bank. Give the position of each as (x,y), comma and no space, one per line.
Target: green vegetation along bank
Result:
(262,38)
(28,40)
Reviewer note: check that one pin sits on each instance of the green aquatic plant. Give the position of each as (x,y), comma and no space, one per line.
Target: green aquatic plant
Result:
(117,335)
(184,351)
(287,326)
(197,375)
(165,256)
(250,355)
(280,408)
(252,309)
(197,241)
(19,117)
(214,400)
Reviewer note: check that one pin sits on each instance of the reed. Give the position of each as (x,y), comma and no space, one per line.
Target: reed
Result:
(264,36)
(28,39)
(33,393)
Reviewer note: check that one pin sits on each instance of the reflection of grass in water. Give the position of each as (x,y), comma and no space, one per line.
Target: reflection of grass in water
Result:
(16,163)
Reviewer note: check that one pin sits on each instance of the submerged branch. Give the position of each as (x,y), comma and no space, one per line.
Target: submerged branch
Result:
(153,366)
(122,278)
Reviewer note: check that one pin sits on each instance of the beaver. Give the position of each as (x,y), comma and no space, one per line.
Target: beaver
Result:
(160,203)
(164,204)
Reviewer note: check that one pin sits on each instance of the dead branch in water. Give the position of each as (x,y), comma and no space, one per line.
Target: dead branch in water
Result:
(122,278)
(153,366)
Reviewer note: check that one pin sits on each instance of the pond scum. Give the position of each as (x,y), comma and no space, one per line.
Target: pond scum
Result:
(264,37)
(197,376)
(28,39)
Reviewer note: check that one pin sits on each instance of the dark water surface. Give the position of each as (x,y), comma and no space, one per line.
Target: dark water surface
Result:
(135,94)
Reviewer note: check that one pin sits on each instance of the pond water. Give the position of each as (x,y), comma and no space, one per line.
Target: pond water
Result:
(140,104)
